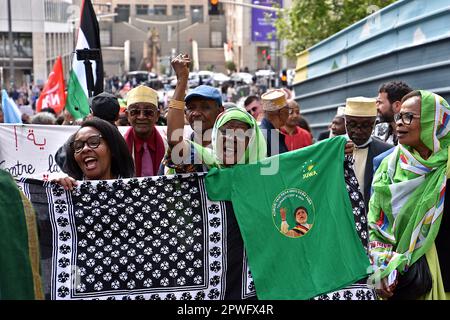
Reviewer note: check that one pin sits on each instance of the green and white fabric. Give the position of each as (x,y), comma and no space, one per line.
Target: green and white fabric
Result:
(406,207)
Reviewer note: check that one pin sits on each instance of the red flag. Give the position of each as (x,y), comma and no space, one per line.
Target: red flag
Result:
(53,95)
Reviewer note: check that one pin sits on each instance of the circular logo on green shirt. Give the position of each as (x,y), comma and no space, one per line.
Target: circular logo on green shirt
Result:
(293,213)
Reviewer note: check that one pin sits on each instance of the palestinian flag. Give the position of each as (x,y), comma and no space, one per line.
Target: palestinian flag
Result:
(19,255)
(88,38)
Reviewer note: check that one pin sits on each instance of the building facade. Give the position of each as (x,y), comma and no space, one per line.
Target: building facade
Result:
(42,31)
(128,26)
(251,38)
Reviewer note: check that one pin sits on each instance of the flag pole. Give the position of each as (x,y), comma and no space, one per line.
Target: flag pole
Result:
(86,55)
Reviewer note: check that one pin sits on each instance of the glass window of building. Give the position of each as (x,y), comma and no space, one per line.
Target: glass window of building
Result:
(179,11)
(197,14)
(123,13)
(22,45)
(56,10)
(160,10)
(142,9)
(216,39)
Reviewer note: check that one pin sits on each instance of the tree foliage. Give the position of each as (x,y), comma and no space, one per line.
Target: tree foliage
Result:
(308,22)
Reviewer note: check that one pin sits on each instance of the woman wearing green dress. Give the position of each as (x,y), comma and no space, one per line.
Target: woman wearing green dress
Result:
(407,218)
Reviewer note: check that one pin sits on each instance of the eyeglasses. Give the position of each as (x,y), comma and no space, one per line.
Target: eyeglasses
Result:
(239,135)
(364,126)
(252,110)
(406,117)
(93,142)
(147,112)
(293,110)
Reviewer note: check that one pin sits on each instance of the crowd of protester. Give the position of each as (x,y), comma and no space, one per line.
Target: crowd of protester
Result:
(386,136)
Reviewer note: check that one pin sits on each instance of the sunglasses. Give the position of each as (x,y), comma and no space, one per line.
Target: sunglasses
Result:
(147,112)
(406,117)
(365,126)
(93,142)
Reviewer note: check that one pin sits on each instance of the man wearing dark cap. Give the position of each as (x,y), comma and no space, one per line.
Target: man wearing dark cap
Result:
(201,106)
(105,106)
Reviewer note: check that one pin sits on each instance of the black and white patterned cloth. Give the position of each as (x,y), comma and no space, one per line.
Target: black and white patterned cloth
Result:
(147,238)
(357,201)
(152,238)
(360,291)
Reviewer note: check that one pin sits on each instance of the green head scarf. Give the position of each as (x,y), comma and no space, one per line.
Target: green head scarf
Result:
(256,149)
(406,207)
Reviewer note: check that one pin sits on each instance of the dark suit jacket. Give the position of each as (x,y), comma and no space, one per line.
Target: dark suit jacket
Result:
(272,135)
(323,135)
(376,147)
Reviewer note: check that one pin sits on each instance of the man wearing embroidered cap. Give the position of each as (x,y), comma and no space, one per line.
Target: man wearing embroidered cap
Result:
(276,113)
(143,139)
(360,116)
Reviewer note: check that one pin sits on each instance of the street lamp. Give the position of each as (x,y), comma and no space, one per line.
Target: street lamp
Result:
(11,46)
(178,32)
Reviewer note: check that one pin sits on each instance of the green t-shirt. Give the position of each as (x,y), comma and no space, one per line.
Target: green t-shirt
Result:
(315,249)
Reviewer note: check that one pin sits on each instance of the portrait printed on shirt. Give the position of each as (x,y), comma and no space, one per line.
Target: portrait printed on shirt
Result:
(293,213)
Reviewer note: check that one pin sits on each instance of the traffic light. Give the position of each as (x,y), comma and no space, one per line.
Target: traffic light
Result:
(284,77)
(214,7)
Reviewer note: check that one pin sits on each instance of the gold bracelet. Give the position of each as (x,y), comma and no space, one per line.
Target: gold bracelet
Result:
(175,104)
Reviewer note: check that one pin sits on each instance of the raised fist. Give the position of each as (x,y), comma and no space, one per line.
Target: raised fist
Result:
(180,65)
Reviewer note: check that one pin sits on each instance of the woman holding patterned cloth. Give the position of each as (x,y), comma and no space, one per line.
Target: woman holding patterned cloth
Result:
(408,230)
(97,152)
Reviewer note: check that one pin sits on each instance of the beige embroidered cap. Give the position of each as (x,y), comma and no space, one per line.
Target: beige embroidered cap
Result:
(361,107)
(273,100)
(142,94)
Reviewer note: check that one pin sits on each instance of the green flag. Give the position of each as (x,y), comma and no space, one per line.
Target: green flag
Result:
(19,254)
(297,224)
(88,38)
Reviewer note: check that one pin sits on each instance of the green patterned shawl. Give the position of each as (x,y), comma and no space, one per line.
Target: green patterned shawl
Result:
(406,207)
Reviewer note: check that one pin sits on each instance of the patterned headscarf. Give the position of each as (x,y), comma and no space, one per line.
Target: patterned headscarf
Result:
(406,207)
(256,149)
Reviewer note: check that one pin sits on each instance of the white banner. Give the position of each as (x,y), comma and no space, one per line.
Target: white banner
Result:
(29,150)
